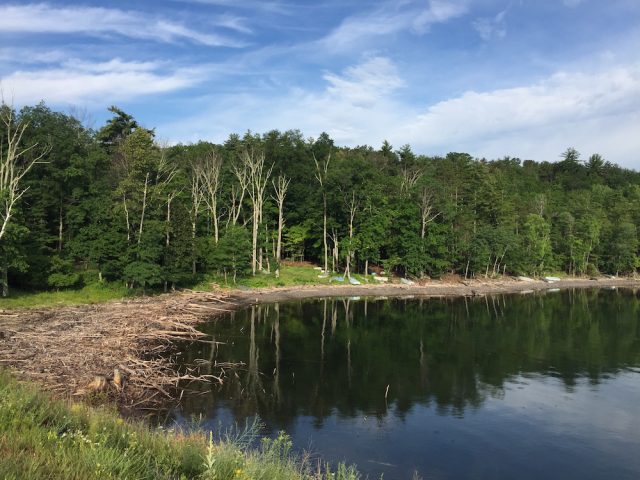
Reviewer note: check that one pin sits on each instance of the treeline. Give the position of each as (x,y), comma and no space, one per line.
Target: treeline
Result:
(117,202)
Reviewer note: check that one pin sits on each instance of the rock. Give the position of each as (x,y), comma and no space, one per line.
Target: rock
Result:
(525,279)
(551,279)
(406,281)
(381,279)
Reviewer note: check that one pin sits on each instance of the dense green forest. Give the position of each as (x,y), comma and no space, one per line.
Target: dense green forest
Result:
(118,203)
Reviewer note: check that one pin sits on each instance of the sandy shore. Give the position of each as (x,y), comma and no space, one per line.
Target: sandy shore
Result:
(65,349)
(430,289)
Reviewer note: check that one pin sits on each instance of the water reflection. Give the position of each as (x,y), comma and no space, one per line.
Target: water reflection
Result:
(314,358)
(358,367)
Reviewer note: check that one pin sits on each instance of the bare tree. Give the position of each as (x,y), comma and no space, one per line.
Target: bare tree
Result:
(152,190)
(210,172)
(257,178)
(197,198)
(167,234)
(427,211)
(280,189)
(321,176)
(352,205)
(15,163)
(144,206)
(410,177)
(238,192)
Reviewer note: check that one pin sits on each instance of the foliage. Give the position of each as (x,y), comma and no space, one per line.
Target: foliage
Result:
(117,201)
(41,438)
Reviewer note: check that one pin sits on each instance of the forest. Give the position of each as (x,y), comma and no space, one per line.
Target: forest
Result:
(119,204)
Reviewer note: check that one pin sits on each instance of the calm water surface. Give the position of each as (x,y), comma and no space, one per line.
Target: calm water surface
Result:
(518,386)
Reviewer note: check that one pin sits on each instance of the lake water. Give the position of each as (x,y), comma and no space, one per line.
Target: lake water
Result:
(519,386)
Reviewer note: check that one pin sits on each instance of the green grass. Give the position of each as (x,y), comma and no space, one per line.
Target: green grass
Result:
(45,439)
(92,293)
(290,275)
(95,292)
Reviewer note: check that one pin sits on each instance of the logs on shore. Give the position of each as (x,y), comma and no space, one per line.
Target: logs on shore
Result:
(119,349)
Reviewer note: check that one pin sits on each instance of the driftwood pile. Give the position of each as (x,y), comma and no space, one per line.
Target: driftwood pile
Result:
(119,349)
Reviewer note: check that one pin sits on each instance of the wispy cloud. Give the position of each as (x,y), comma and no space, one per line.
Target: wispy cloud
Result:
(564,98)
(595,111)
(391,18)
(439,11)
(44,18)
(264,5)
(363,84)
(491,27)
(96,83)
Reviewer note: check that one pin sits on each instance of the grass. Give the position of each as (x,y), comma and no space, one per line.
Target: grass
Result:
(45,439)
(290,275)
(92,293)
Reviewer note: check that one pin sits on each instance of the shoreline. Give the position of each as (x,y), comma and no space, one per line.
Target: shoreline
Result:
(82,351)
(432,289)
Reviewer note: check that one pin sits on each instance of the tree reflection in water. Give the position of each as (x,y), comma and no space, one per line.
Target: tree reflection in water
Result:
(337,356)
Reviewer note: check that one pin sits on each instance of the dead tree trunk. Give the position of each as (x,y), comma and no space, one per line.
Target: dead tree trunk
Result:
(210,171)
(237,194)
(197,197)
(257,178)
(126,217)
(144,207)
(13,164)
(353,207)
(427,212)
(321,176)
(280,189)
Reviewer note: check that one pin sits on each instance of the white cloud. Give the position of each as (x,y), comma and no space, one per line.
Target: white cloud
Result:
(362,85)
(564,100)
(272,7)
(593,111)
(392,18)
(439,11)
(43,18)
(354,106)
(491,27)
(95,83)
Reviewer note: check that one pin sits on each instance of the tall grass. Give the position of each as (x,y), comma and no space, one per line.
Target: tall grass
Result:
(95,292)
(91,293)
(45,439)
(290,275)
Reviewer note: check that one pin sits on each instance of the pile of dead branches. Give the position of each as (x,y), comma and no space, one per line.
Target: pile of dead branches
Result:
(121,349)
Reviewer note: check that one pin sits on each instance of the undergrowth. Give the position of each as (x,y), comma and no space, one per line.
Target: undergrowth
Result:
(45,439)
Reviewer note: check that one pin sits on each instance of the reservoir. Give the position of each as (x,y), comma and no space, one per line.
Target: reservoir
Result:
(527,386)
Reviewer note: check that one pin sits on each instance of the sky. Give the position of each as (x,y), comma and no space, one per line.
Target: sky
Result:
(493,78)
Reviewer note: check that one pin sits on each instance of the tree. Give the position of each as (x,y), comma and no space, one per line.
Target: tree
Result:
(280,191)
(209,171)
(321,176)
(537,242)
(257,177)
(623,255)
(16,160)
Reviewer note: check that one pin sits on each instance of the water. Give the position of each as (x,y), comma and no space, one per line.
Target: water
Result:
(518,386)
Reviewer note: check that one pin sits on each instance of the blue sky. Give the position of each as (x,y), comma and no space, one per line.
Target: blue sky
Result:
(525,78)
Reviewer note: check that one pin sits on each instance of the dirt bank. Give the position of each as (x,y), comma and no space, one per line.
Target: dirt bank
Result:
(66,349)
(429,289)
